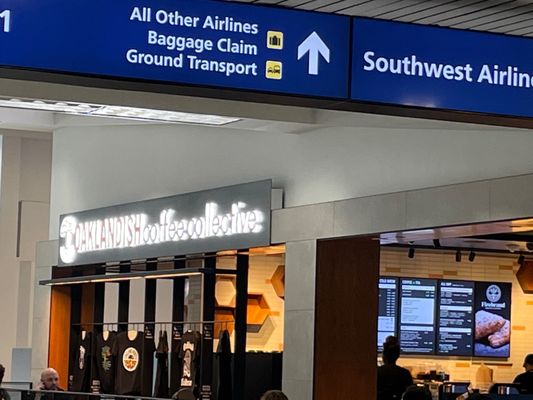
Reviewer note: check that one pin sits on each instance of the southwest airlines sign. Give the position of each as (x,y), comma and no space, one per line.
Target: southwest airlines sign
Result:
(197,42)
(415,65)
(234,217)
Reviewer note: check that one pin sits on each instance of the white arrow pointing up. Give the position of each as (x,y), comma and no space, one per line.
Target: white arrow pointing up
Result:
(314,45)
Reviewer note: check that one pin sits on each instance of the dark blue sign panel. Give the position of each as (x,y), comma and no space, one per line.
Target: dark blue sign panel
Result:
(181,41)
(415,65)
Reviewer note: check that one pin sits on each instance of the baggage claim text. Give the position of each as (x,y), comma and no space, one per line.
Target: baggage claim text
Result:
(196,45)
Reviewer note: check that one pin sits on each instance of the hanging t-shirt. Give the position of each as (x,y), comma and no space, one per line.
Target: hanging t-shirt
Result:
(161,354)
(105,362)
(148,363)
(190,352)
(175,360)
(225,377)
(132,359)
(81,364)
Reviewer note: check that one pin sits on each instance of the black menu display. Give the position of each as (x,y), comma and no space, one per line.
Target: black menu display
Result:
(456,315)
(492,320)
(446,317)
(417,315)
(388,309)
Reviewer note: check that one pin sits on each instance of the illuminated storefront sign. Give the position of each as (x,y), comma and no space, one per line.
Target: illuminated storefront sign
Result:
(190,223)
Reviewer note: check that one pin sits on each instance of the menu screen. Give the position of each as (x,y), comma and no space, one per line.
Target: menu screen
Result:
(388,309)
(417,315)
(493,320)
(456,315)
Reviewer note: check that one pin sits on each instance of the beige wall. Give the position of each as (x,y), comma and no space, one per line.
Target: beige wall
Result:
(486,267)
(24,216)
(325,165)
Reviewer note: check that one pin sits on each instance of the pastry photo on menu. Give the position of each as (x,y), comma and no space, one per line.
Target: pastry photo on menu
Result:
(493,335)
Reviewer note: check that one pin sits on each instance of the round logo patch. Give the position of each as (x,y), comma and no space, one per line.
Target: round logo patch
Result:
(130,359)
(494,293)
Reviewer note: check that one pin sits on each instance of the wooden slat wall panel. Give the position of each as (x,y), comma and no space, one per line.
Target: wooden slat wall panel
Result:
(346,319)
(58,354)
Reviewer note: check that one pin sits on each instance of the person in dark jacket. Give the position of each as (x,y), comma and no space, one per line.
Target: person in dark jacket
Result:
(49,383)
(393,380)
(525,380)
(4,395)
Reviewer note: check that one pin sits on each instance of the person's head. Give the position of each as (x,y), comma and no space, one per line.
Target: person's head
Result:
(2,372)
(391,350)
(50,379)
(528,362)
(416,393)
(274,395)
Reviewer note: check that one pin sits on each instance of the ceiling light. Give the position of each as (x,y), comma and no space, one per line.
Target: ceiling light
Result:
(458,256)
(139,114)
(39,105)
(471,256)
(161,116)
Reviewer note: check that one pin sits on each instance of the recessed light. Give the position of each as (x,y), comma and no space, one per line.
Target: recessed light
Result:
(132,113)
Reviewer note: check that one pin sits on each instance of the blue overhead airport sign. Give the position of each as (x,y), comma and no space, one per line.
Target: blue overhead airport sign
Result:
(228,45)
(440,68)
(195,42)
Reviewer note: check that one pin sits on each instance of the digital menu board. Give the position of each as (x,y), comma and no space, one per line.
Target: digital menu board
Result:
(388,309)
(446,317)
(493,320)
(455,318)
(417,315)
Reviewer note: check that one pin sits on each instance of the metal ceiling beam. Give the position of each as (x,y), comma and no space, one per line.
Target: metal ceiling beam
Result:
(500,16)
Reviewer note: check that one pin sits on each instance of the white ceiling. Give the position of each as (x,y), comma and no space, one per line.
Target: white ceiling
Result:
(503,16)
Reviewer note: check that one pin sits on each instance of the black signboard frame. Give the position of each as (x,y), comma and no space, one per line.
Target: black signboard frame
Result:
(226,218)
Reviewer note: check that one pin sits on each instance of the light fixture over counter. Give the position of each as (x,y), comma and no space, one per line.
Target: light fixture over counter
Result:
(121,277)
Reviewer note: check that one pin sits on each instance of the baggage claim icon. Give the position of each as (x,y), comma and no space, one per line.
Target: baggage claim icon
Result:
(274,69)
(275,40)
